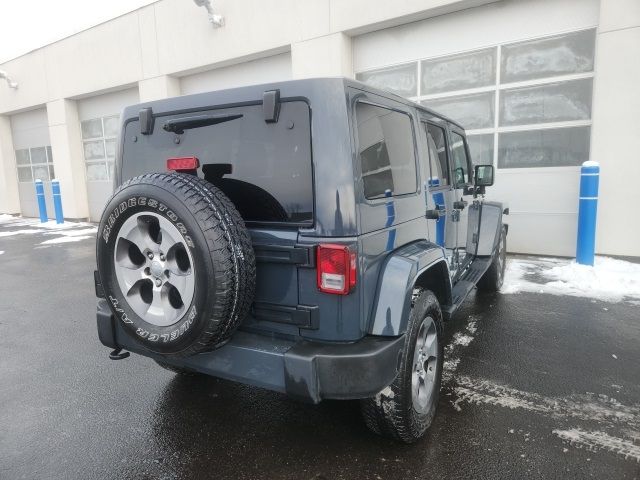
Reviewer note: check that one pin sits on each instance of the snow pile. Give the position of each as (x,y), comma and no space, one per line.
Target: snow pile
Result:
(10,221)
(12,233)
(610,280)
(65,232)
(67,239)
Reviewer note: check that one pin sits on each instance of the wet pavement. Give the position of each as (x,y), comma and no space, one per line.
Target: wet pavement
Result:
(537,386)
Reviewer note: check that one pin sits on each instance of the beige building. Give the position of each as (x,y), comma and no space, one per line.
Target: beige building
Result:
(540,85)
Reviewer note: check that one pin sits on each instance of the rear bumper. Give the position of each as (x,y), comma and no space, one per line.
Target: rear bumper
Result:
(309,371)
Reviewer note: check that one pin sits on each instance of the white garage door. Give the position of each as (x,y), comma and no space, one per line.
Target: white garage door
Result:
(519,77)
(99,122)
(264,70)
(30,133)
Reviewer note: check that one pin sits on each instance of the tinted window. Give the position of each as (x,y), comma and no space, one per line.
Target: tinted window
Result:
(437,155)
(387,156)
(269,161)
(460,161)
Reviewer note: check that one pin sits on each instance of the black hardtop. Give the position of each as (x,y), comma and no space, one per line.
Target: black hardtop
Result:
(310,89)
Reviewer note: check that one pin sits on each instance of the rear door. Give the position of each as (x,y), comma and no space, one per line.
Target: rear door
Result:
(444,230)
(266,170)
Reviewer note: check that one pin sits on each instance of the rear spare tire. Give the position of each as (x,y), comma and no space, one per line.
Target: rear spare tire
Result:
(176,263)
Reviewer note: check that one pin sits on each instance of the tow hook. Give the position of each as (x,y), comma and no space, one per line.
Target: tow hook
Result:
(118,354)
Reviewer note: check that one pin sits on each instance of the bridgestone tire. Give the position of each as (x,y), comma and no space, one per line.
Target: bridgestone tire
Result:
(222,261)
(493,278)
(391,413)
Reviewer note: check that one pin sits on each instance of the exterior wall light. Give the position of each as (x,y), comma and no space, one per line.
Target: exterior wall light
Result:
(10,82)
(216,20)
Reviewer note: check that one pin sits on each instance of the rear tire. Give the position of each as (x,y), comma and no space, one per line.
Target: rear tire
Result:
(493,278)
(405,409)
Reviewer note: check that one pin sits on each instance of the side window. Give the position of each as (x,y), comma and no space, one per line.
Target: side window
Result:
(460,160)
(386,151)
(439,174)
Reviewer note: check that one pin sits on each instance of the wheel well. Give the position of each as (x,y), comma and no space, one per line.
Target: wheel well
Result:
(436,279)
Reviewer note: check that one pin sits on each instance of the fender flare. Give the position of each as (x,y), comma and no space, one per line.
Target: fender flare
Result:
(397,279)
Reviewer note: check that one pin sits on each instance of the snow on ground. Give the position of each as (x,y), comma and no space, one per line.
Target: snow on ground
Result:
(610,280)
(64,233)
(11,221)
(68,239)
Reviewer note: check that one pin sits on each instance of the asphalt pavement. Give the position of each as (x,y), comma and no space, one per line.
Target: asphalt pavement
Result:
(536,386)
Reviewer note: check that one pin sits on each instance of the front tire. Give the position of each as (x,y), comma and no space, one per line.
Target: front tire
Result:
(405,409)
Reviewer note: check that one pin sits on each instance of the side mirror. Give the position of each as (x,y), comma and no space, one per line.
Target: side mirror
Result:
(483,175)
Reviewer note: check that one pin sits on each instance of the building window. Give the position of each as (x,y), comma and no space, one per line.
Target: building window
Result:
(522,104)
(400,79)
(387,156)
(35,164)
(99,136)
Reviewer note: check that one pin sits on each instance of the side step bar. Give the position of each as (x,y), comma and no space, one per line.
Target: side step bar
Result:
(466,283)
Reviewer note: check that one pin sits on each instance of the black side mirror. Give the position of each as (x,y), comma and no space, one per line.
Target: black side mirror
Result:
(483,175)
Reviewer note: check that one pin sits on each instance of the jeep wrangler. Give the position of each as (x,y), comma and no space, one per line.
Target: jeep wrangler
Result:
(308,236)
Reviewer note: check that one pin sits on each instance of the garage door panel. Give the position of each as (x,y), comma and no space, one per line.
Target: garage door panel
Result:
(542,234)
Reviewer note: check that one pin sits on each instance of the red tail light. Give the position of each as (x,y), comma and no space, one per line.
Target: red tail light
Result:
(182,164)
(336,266)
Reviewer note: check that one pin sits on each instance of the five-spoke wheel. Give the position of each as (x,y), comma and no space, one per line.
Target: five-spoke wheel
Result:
(154,268)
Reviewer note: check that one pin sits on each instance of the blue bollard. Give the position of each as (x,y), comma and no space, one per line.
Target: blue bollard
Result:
(42,206)
(586,245)
(57,200)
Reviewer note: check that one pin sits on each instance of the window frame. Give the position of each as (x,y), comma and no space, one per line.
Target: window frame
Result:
(358,163)
(109,162)
(443,126)
(48,163)
(458,131)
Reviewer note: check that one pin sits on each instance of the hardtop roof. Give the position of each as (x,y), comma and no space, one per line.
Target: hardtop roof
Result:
(251,93)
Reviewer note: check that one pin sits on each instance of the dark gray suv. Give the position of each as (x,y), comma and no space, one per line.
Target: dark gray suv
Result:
(308,236)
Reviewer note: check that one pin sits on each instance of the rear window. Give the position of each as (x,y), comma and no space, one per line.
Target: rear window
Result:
(264,168)
(387,156)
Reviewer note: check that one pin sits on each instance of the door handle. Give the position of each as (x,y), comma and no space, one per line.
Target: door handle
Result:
(436,213)
(432,214)
(460,205)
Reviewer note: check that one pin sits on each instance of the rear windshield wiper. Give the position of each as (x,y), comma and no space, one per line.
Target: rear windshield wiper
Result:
(179,125)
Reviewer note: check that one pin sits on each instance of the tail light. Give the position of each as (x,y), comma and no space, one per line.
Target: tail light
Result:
(336,266)
(183,164)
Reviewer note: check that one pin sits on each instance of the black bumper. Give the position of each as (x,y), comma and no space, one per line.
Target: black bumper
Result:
(309,371)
